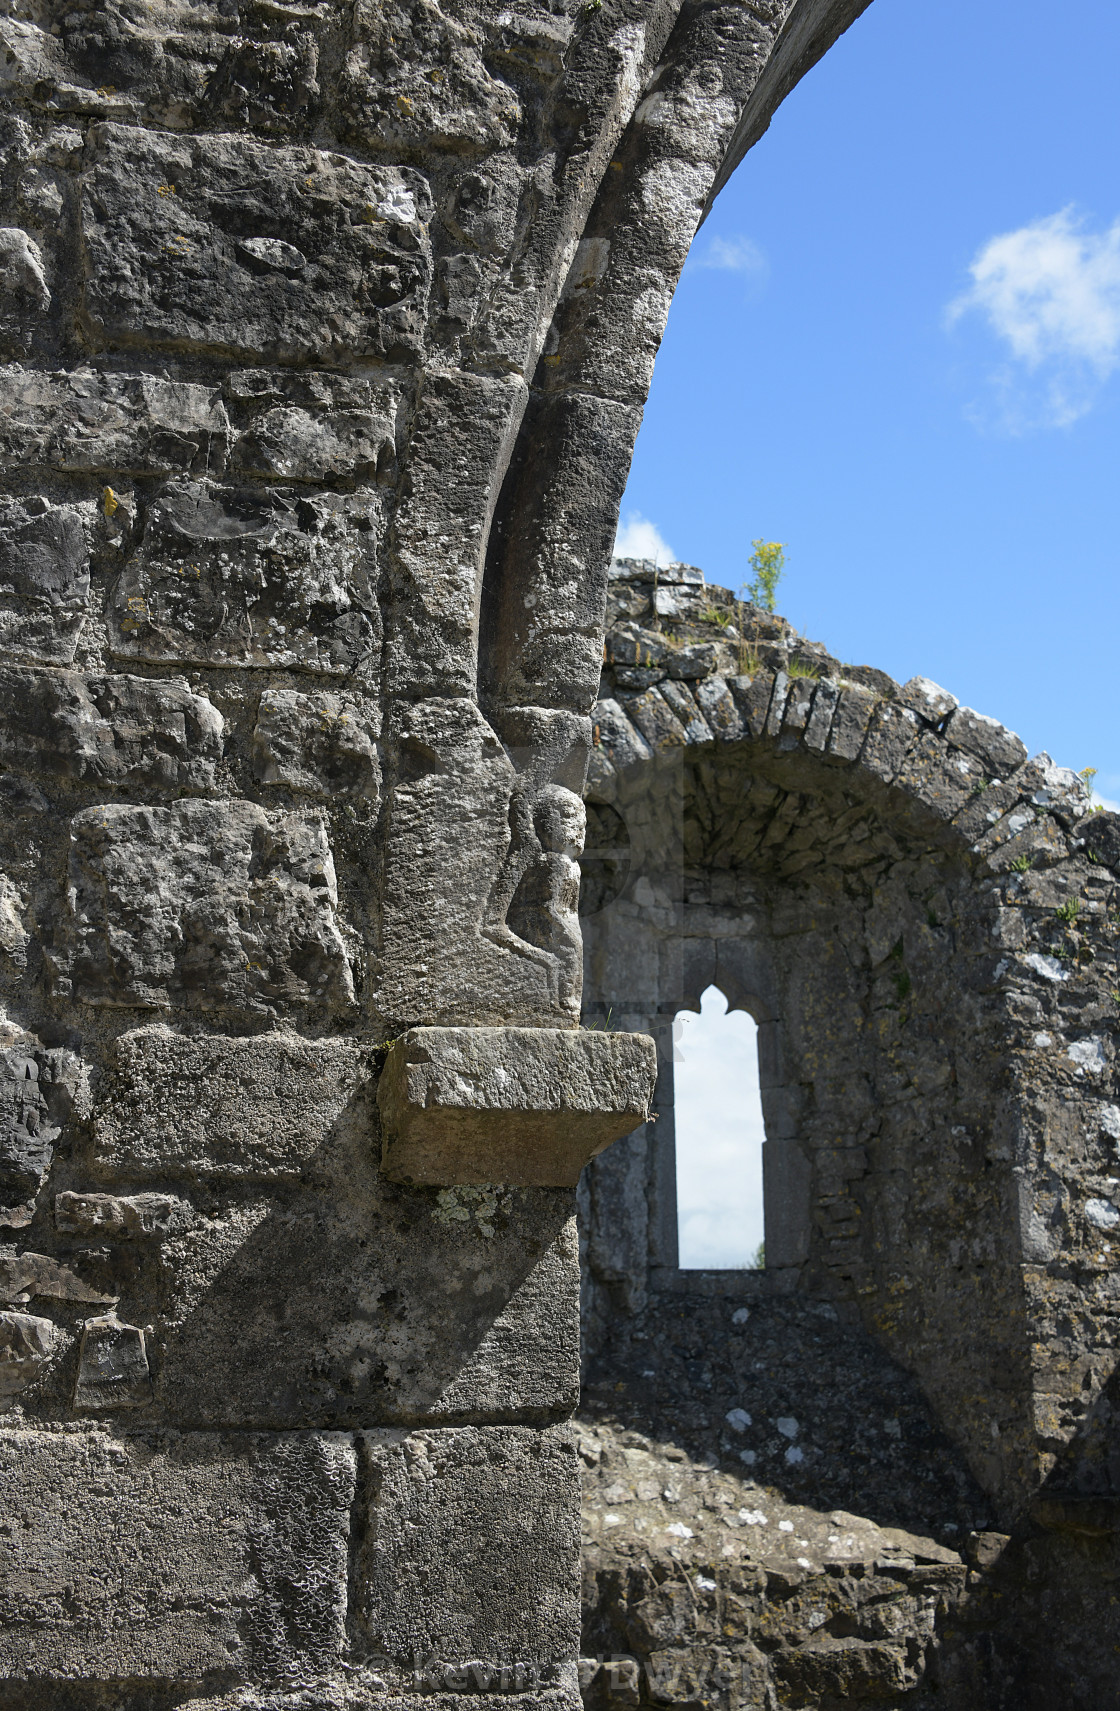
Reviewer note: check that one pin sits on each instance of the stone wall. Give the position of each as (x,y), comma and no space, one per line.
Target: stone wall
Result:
(325,333)
(924,923)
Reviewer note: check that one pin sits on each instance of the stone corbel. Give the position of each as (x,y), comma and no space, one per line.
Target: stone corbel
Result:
(522,1107)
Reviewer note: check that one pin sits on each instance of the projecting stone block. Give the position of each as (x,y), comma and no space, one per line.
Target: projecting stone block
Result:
(481,1524)
(225,245)
(166,1559)
(112,1366)
(225,576)
(235,1109)
(121,1215)
(108,730)
(521,1106)
(203,904)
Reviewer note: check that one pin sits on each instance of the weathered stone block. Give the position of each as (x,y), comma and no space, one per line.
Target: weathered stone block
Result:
(120,1215)
(234,1109)
(1000,749)
(440,96)
(752,697)
(226,576)
(373,1305)
(24,1275)
(341,267)
(613,732)
(719,710)
(481,1523)
(319,743)
(316,427)
(656,720)
(26,1345)
(852,716)
(202,904)
(113,1367)
(37,1091)
(927,699)
(681,699)
(172,1558)
(509,1105)
(44,578)
(120,424)
(108,730)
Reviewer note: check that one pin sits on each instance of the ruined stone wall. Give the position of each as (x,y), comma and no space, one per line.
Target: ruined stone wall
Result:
(924,923)
(326,330)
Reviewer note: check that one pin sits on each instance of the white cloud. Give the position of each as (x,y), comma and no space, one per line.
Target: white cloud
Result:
(719,1133)
(637,537)
(732,255)
(1051,293)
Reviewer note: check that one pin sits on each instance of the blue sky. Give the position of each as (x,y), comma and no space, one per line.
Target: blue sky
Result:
(896,347)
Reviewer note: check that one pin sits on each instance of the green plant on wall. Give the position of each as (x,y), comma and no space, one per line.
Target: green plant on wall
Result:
(768,561)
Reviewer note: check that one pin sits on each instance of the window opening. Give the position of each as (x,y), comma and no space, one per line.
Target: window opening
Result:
(717,1108)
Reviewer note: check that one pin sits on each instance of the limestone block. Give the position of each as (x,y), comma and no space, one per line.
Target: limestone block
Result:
(629,644)
(613,732)
(941,778)
(121,1215)
(509,1105)
(656,720)
(203,904)
(113,1367)
(24,1275)
(1000,749)
(26,1345)
(373,1305)
(168,1559)
(850,721)
(719,710)
(319,743)
(891,735)
(124,731)
(481,1524)
(461,440)
(927,699)
(44,578)
(121,424)
(700,660)
(38,1088)
(24,293)
(226,576)
(172,258)
(235,1109)
(779,695)
(752,697)
(825,698)
(316,427)
(683,703)
(438,95)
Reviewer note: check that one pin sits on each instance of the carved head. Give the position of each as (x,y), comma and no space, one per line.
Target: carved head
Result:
(560,820)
